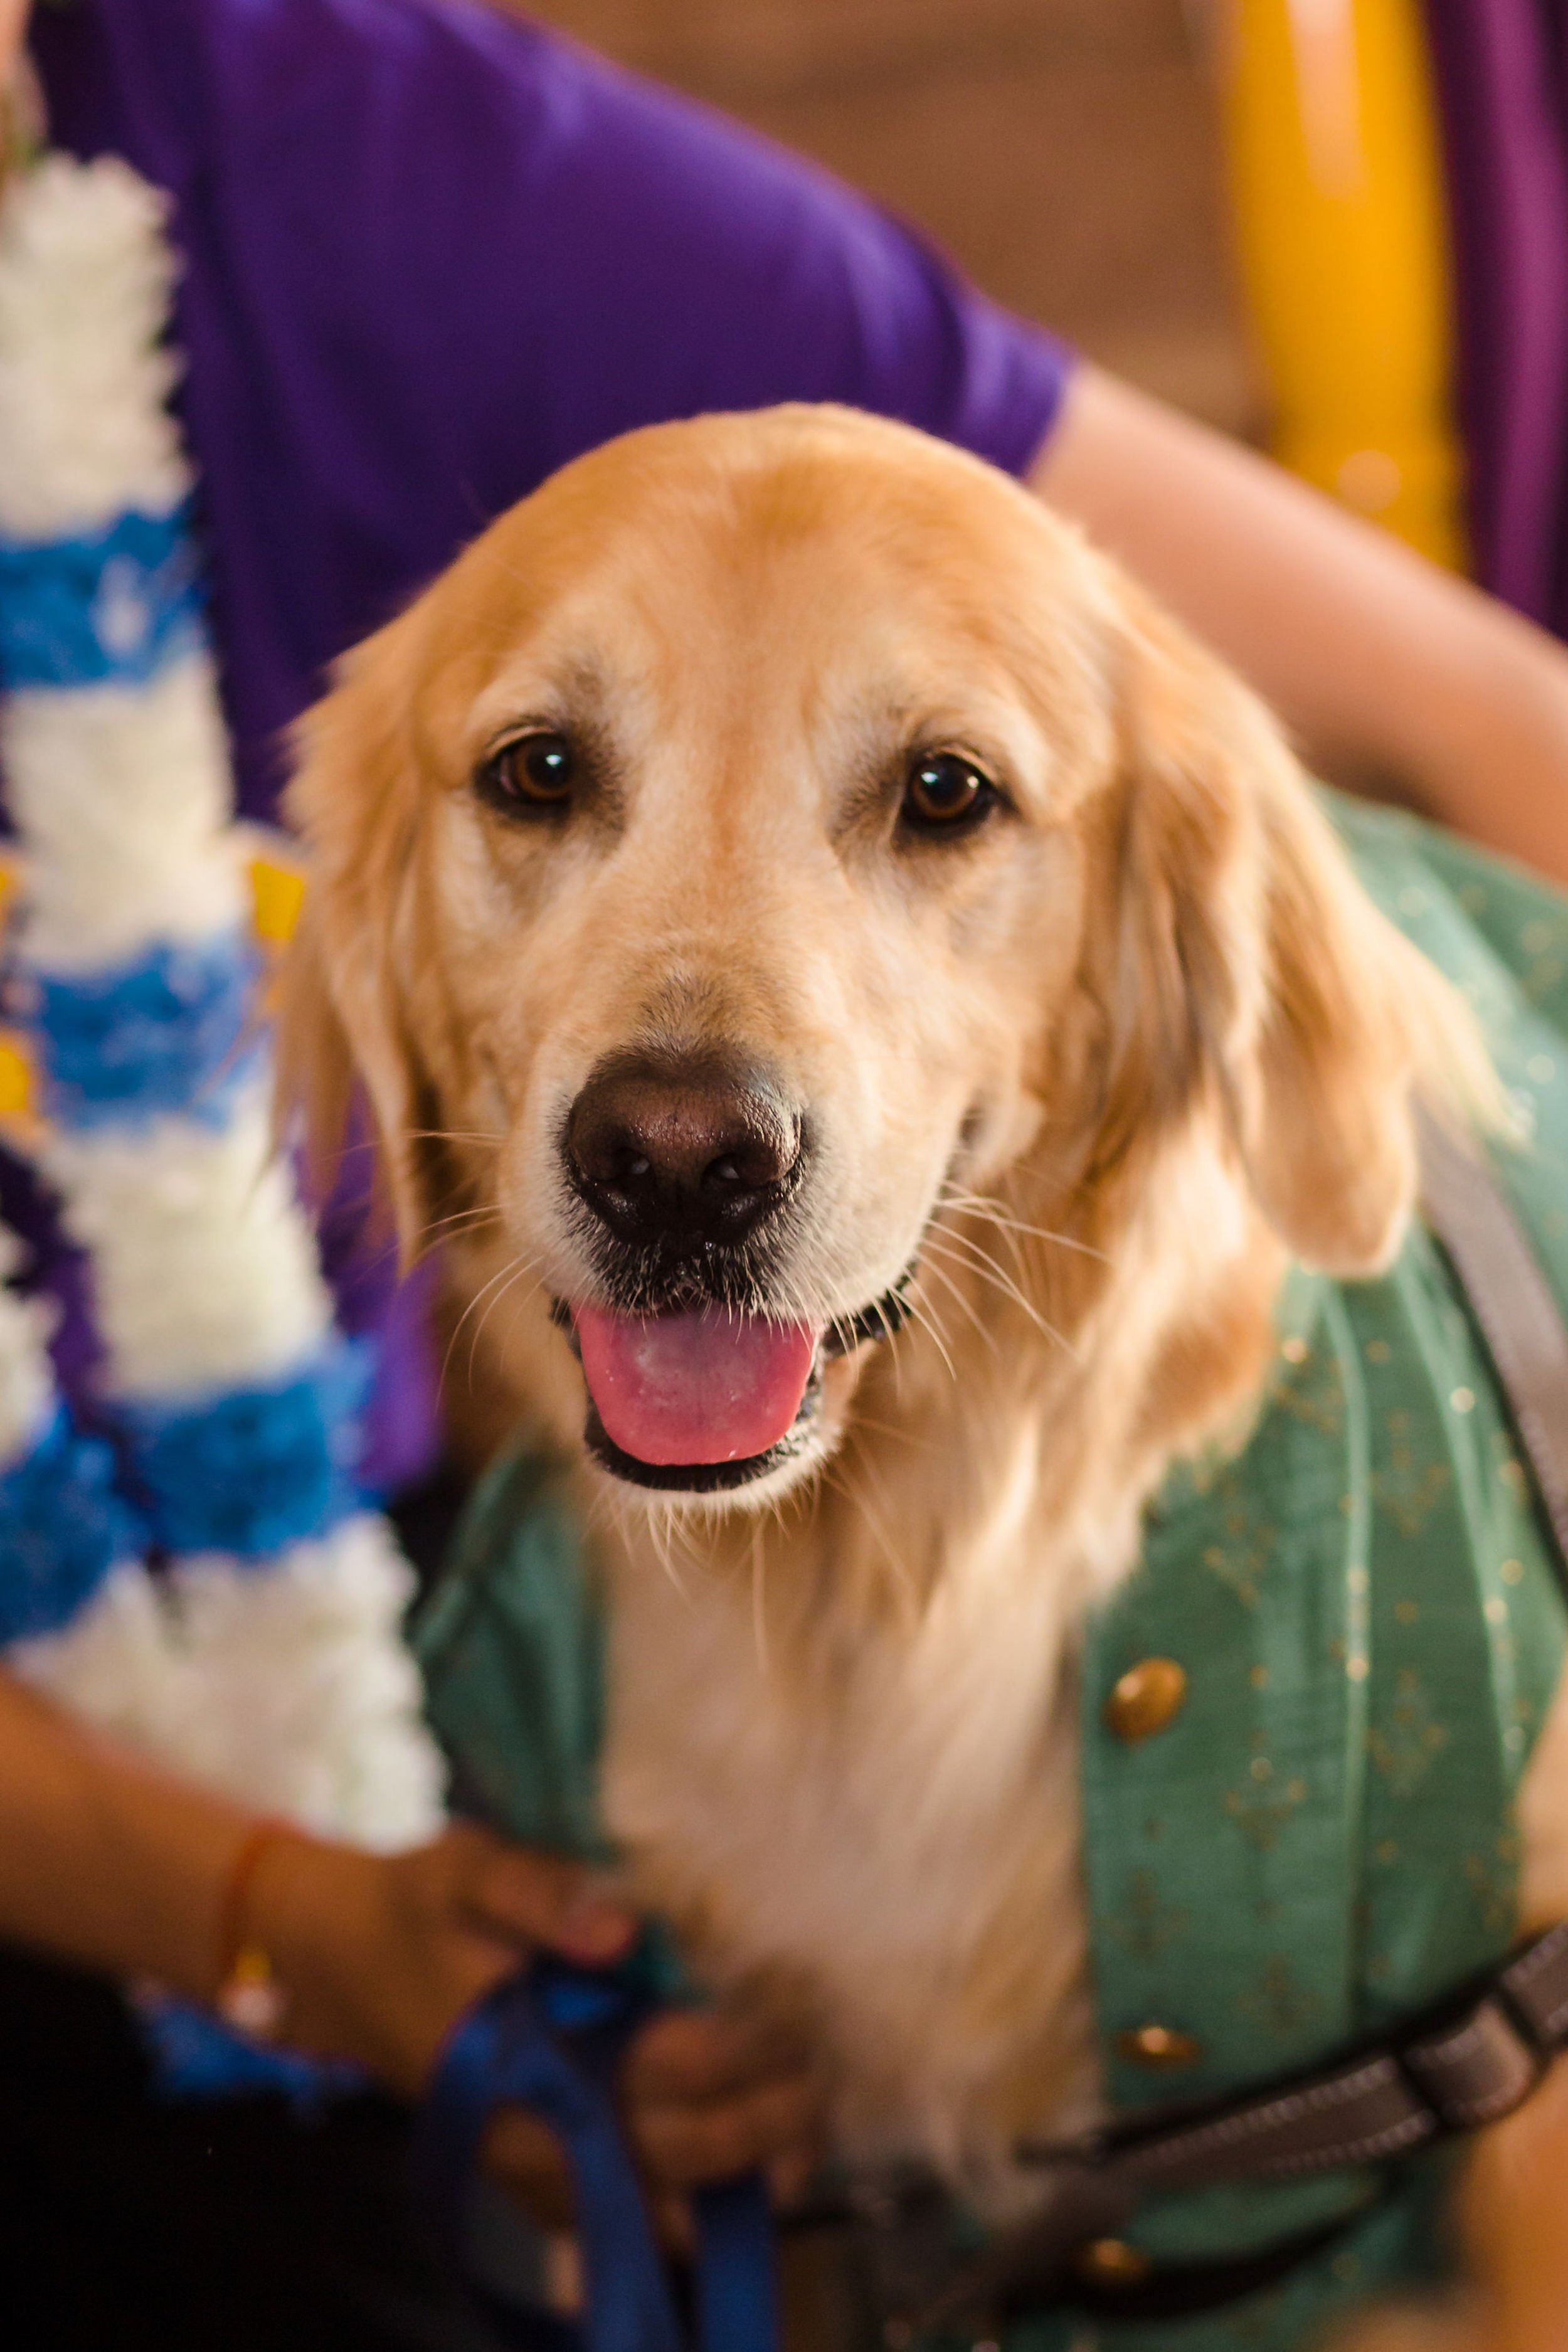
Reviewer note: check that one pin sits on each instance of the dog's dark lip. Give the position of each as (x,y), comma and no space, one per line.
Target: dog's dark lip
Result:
(880,1320)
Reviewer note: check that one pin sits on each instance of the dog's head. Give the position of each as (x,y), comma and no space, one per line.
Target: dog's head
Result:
(776,832)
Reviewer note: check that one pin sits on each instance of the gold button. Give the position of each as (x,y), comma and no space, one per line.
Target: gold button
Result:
(1145,1700)
(1110,2262)
(1159,2046)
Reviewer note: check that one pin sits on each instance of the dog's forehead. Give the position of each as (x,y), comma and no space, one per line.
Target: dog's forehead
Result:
(707,563)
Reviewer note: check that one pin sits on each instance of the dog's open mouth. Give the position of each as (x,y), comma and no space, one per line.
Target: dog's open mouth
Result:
(708,1397)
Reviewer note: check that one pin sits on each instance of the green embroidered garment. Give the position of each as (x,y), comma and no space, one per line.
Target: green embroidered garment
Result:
(1321,1840)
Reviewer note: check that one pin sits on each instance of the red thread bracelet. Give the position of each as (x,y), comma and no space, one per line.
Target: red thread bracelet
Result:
(248,1995)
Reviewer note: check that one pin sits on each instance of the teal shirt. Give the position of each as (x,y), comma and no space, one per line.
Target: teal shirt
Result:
(1366,1605)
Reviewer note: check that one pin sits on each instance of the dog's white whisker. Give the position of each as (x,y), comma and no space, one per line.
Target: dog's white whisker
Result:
(885,1429)
(682,1548)
(759,1613)
(468,1309)
(922,1314)
(860,1502)
(987,1270)
(982,1205)
(889,1332)
(889,1329)
(514,1266)
(519,1270)
(455,1217)
(930,1265)
(661,1529)
(458,1221)
(969,1214)
(842,1329)
(451,1135)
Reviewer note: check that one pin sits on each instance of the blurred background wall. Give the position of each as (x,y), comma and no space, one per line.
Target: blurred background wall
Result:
(1066,153)
(1346,237)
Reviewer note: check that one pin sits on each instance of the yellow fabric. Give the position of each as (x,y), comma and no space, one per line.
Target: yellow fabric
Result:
(1343,236)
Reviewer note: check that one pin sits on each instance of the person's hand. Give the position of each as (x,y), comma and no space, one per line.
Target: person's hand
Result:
(13,26)
(377,1958)
(707,2093)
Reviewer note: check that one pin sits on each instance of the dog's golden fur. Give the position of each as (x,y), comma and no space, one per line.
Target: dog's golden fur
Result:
(1099,1070)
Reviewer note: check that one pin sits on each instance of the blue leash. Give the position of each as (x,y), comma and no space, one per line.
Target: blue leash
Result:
(551,2039)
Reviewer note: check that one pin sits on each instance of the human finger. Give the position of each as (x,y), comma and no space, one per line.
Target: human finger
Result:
(528,2160)
(790,2174)
(523,2156)
(699,2055)
(534,1897)
(682,2146)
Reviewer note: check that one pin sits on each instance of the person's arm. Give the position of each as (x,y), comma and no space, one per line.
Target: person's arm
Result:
(112,1863)
(104,1861)
(1394,676)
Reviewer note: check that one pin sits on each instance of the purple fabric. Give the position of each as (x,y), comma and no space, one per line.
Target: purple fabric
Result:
(1507,154)
(431,253)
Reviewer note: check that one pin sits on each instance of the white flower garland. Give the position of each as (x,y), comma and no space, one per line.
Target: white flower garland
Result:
(155,858)
(27,1376)
(85,376)
(275,1674)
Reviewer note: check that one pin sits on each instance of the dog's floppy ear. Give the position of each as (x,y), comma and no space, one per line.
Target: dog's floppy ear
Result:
(1355,1025)
(342,1020)
(1252,976)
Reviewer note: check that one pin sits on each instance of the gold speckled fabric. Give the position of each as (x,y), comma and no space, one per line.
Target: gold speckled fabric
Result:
(1322,1839)
(1367,1607)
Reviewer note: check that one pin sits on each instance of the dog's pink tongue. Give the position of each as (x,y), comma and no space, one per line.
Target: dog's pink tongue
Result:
(706,1387)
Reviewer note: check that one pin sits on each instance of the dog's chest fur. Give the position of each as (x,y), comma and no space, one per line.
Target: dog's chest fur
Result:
(884,1840)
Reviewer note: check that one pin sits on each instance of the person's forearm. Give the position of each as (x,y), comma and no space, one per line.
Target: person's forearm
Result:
(104,1861)
(1392,674)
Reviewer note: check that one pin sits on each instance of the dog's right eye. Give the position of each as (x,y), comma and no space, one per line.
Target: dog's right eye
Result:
(946,793)
(533,775)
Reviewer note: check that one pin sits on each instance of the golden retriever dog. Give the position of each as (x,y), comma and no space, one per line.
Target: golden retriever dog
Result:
(782,885)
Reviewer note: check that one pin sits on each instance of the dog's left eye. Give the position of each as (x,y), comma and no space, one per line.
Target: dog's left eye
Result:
(945,792)
(534,773)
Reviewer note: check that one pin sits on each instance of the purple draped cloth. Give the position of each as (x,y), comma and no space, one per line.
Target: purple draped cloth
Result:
(1504,106)
(430,254)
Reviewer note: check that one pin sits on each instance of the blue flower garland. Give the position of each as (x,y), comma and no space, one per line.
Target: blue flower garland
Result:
(63,1525)
(229,1402)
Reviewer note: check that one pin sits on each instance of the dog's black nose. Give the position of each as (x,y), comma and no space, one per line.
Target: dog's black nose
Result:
(691,1150)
